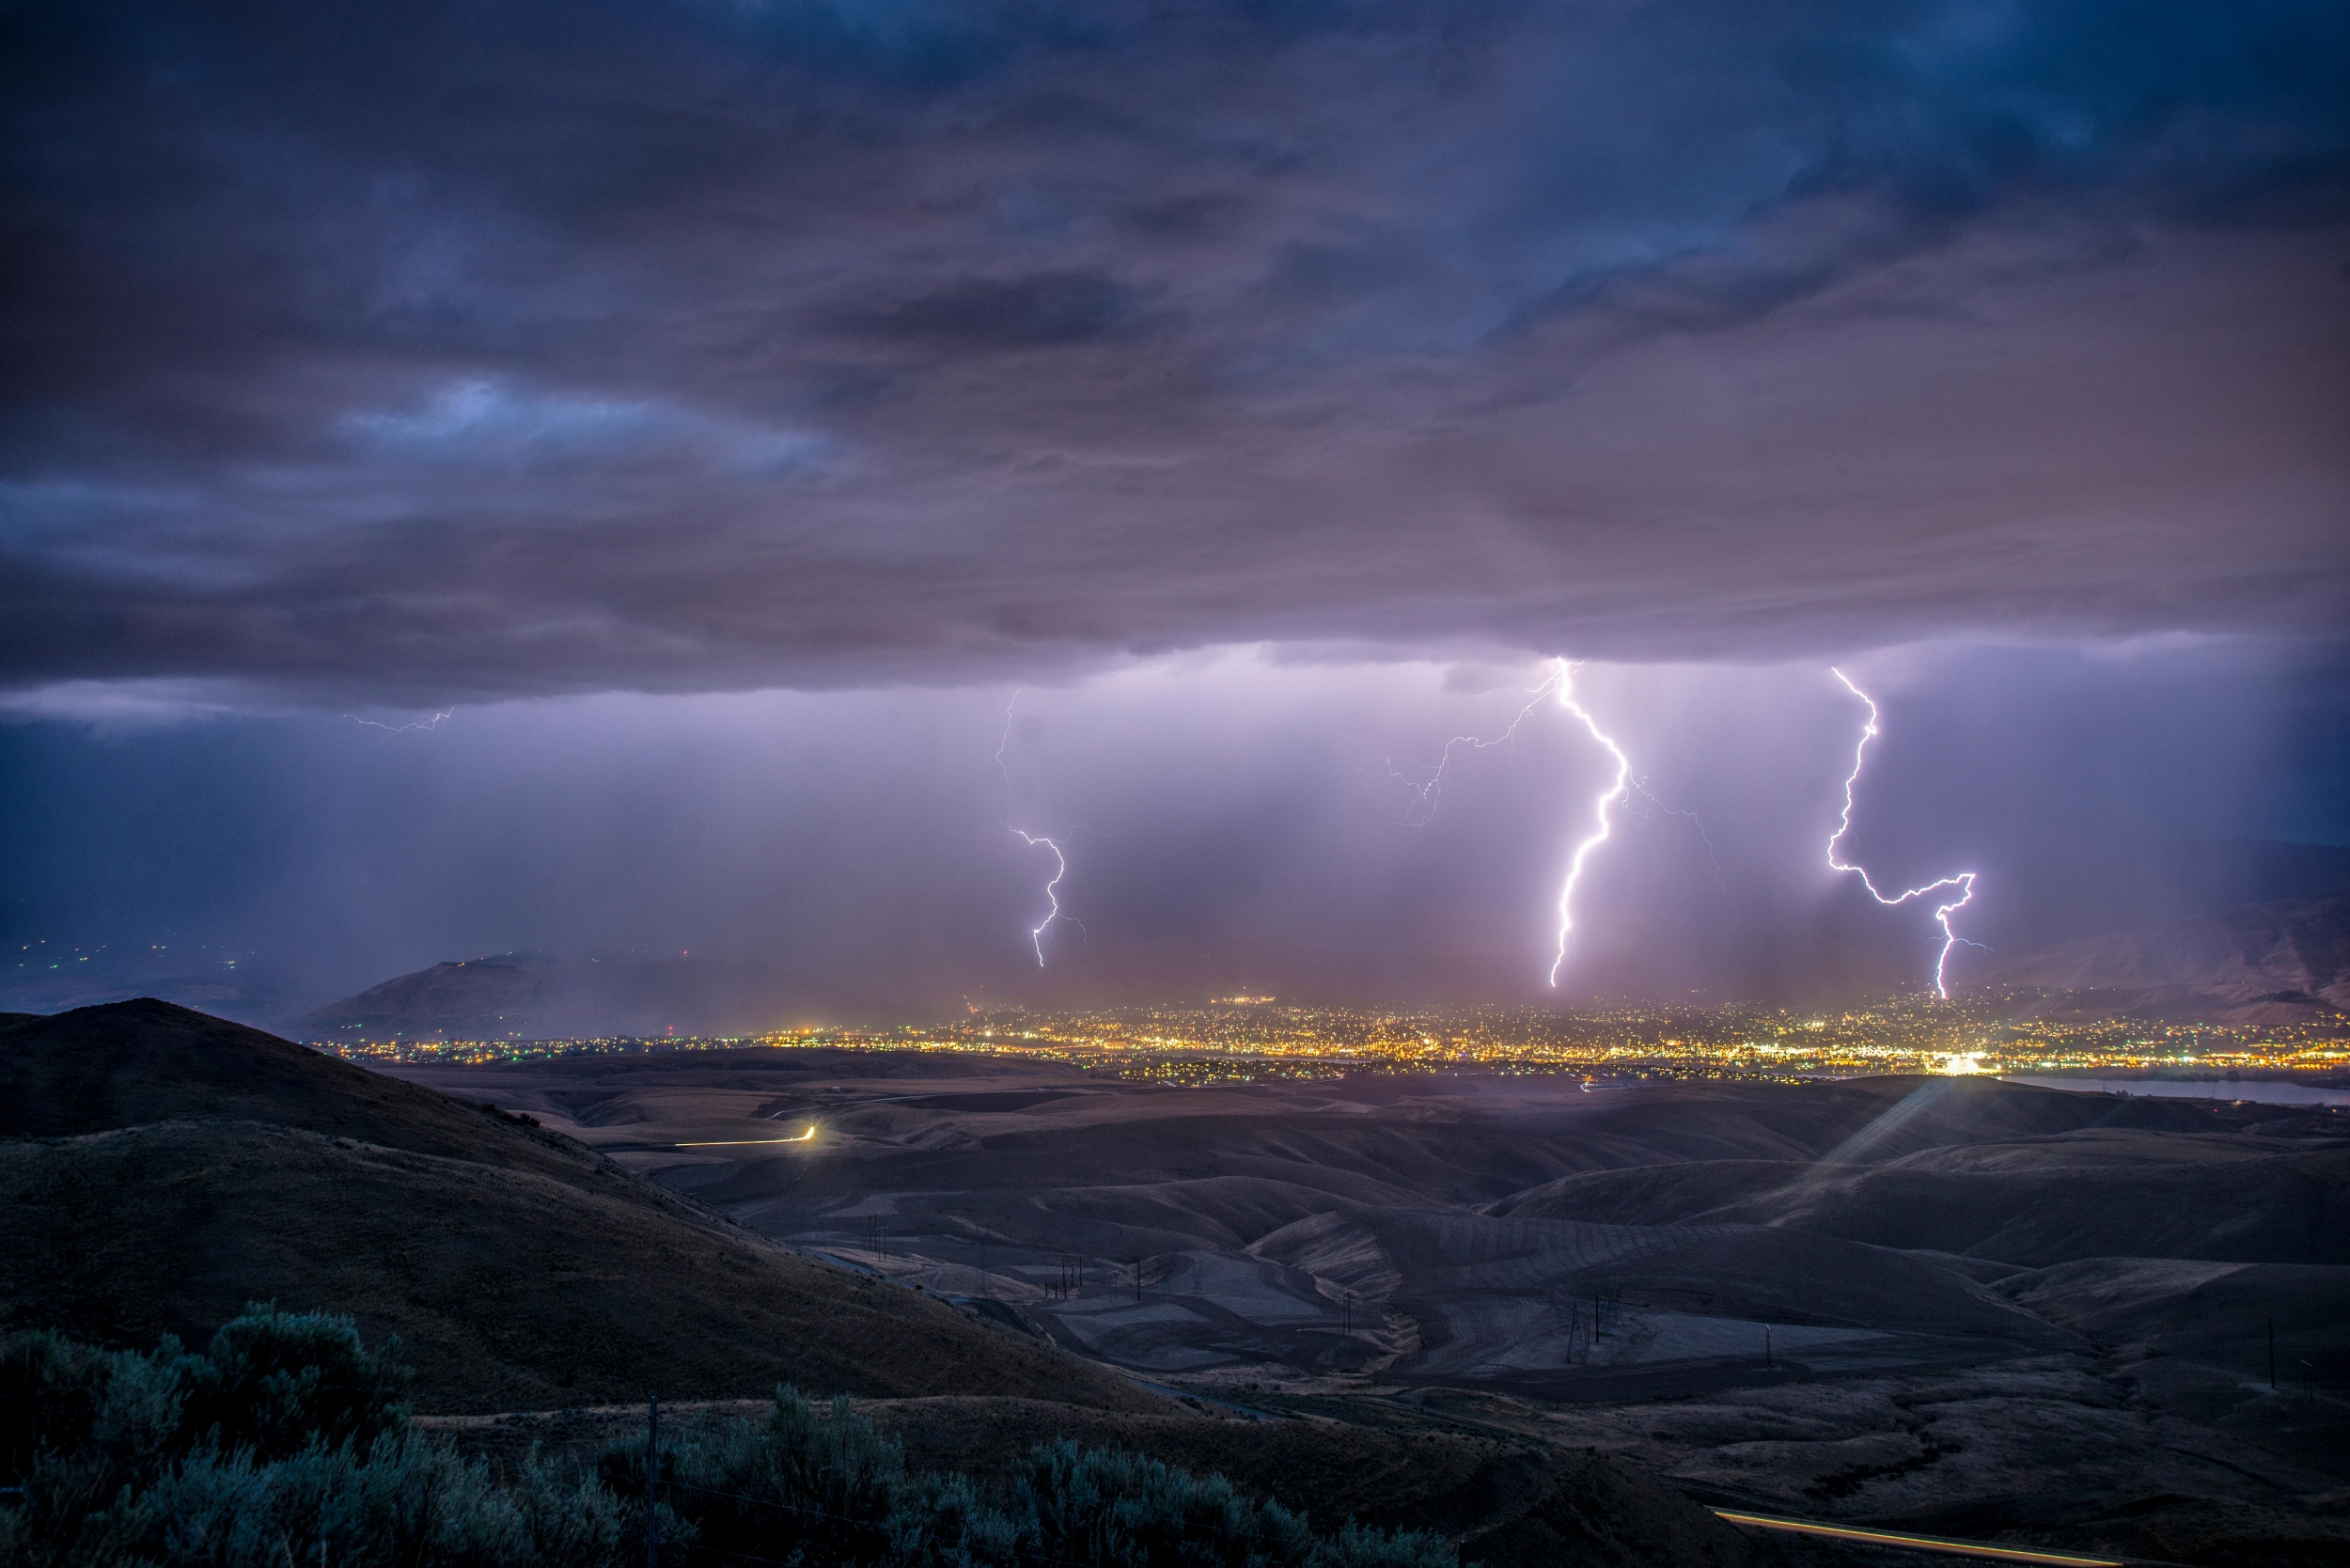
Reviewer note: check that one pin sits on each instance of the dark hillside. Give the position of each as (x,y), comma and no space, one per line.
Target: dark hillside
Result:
(164,1168)
(2092,1194)
(2099,1192)
(129,1063)
(507,1289)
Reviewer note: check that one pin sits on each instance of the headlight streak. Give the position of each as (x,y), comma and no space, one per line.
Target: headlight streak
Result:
(1962,880)
(1615,791)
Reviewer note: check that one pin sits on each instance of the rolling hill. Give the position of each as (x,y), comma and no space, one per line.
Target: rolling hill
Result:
(161,1169)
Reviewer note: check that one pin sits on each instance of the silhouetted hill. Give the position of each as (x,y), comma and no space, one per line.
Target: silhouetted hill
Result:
(128,1063)
(548,996)
(480,998)
(164,1168)
(2252,963)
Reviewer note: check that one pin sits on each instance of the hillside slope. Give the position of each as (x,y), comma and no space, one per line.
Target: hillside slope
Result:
(128,1063)
(518,1267)
(507,1289)
(2033,1202)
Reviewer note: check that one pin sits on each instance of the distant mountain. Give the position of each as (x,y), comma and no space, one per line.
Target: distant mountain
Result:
(535,995)
(2251,963)
(161,1169)
(2064,889)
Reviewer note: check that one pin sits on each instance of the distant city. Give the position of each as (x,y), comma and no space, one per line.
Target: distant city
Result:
(1258,1039)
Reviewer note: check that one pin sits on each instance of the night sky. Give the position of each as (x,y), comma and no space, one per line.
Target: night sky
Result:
(719,411)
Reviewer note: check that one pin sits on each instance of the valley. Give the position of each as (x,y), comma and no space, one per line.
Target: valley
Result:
(1943,1304)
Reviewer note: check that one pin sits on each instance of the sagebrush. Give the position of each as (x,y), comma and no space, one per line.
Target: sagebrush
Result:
(286,1443)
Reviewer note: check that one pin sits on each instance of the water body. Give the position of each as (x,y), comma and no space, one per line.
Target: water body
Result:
(2267,1092)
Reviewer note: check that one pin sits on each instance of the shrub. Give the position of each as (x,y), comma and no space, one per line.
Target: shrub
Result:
(274,1384)
(286,1445)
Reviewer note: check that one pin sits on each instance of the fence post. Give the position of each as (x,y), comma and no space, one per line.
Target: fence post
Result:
(653,1469)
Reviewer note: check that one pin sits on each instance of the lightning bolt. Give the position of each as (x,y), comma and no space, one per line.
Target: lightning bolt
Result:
(1616,791)
(433,723)
(1639,787)
(1060,868)
(1004,740)
(1060,861)
(1423,808)
(1962,880)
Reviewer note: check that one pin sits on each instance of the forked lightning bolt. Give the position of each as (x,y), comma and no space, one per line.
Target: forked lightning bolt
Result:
(1616,791)
(1423,808)
(1962,880)
(1722,884)
(1004,740)
(433,723)
(1060,861)
(1060,868)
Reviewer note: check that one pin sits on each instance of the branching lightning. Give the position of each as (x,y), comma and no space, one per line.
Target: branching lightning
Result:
(1060,868)
(1616,791)
(1962,880)
(1060,861)
(1423,808)
(433,723)
(1656,804)
(1004,740)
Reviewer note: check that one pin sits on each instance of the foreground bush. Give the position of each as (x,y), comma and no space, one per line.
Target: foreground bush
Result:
(286,1444)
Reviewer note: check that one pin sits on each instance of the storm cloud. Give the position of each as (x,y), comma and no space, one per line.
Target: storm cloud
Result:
(434,354)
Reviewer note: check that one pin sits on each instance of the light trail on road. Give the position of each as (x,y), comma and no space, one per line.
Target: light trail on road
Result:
(1918,1542)
(738,1142)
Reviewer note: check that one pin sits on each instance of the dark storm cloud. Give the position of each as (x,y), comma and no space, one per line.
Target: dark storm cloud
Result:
(422,353)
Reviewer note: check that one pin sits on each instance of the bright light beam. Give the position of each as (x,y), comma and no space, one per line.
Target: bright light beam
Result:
(740,1142)
(1423,809)
(1615,791)
(1962,880)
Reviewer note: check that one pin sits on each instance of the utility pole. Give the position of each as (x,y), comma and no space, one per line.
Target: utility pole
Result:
(1766,1347)
(652,1470)
(2272,1355)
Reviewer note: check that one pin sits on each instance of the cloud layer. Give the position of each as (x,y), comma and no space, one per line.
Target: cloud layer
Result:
(432,353)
